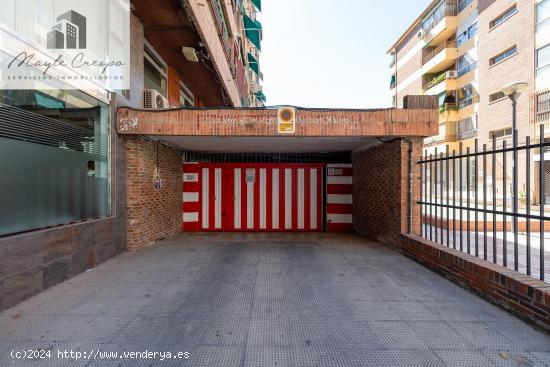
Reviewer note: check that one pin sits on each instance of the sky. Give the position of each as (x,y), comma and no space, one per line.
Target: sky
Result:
(319,54)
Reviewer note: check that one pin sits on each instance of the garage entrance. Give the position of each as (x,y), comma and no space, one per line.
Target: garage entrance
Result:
(254,197)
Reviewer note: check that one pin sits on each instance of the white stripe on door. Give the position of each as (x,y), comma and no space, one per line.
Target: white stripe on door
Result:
(190,217)
(313,198)
(275,199)
(288,198)
(339,199)
(263,198)
(250,202)
(300,198)
(205,198)
(237,198)
(218,198)
(339,180)
(190,197)
(340,218)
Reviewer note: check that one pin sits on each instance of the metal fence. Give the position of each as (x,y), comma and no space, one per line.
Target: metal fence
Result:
(489,202)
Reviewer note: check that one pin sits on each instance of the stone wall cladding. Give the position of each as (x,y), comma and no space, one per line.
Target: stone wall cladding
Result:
(33,262)
(152,214)
(523,295)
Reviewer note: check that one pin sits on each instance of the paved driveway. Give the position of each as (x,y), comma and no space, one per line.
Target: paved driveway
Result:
(267,300)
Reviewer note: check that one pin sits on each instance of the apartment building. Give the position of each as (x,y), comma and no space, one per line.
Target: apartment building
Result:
(465,52)
(65,196)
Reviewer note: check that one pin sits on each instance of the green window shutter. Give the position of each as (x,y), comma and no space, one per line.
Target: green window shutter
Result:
(253,63)
(253,31)
(442,99)
(261,96)
(257,4)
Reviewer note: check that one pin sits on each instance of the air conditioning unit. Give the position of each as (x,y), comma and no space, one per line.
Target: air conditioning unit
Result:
(153,99)
(451,74)
(421,34)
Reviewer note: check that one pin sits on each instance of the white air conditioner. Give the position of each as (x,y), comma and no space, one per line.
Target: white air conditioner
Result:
(153,99)
(451,74)
(421,34)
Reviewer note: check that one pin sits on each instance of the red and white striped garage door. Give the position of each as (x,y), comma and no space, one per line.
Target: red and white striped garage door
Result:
(252,197)
(339,197)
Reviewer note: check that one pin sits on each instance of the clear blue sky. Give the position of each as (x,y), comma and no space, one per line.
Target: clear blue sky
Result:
(327,53)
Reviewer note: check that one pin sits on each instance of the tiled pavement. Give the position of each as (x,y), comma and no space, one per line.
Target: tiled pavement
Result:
(269,300)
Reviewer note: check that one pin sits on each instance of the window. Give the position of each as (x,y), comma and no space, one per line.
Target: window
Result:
(462,4)
(429,22)
(543,59)
(186,97)
(55,149)
(503,17)
(466,63)
(154,72)
(466,96)
(500,133)
(496,96)
(503,56)
(471,32)
(543,14)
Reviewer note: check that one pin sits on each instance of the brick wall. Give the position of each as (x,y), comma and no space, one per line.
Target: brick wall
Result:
(521,294)
(152,214)
(380,190)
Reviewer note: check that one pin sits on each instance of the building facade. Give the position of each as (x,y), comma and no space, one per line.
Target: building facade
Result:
(74,192)
(465,52)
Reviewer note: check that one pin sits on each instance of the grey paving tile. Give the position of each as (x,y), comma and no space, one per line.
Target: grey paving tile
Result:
(271,300)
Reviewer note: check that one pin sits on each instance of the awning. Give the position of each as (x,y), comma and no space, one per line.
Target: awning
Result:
(442,99)
(261,96)
(253,30)
(392,82)
(257,4)
(253,63)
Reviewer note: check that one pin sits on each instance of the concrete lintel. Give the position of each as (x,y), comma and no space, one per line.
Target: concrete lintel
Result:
(263,122)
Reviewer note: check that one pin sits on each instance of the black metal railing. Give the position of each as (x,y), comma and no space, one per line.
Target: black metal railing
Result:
(490,202)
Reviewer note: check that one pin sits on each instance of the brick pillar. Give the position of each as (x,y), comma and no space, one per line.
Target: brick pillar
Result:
(154,212)
(380,190)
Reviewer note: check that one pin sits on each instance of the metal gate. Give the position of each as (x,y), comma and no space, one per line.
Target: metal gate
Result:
(252,197)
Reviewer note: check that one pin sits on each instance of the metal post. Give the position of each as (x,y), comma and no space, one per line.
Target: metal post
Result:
(448,186)
(515,184)
(441,196)
(468,174)
(528,201)
(435,196)
(494,200)
(454,199)
(484,201)
(504,208)
(430,201)
(541,201)
(476,197)
(460,192)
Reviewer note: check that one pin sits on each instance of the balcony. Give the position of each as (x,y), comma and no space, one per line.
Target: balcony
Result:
(440,58)
(440,24)
(448,113)
(467,128)
(441,83)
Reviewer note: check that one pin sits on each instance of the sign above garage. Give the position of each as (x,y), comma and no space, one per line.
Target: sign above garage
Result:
(286,120)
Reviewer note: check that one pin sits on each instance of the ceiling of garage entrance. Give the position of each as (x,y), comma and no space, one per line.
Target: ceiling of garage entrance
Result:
(268,144)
